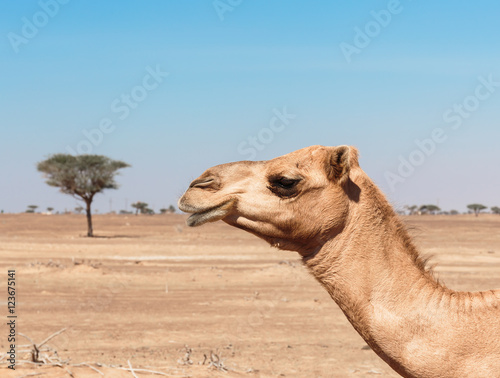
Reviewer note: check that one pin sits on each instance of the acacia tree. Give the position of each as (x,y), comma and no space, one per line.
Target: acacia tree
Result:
(432,209)
(476,207)
(140,206)
(31,208)
(170,209)
(82,176)
(495,210)
(412,209)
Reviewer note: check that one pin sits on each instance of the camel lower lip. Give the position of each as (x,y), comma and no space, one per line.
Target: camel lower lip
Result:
(209,215)
(196,219)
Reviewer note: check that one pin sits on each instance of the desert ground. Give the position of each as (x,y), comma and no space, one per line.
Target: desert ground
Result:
(150,293)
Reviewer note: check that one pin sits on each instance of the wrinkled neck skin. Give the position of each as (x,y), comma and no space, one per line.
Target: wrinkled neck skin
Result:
(420,328)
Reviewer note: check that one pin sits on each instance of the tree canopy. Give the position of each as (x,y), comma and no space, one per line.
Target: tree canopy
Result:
(476,208)
(170,209)
(412,209)
(82,176)
(432,209)
(31,208)
(140,207)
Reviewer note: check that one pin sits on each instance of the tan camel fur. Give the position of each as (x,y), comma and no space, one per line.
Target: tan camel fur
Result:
(319,202)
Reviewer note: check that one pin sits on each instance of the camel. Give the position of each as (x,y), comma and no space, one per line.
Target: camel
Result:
(318,202)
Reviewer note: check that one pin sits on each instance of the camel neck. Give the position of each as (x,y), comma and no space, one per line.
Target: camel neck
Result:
(368,270)
(374,273)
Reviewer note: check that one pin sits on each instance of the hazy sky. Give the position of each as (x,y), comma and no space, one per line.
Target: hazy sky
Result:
(175,87)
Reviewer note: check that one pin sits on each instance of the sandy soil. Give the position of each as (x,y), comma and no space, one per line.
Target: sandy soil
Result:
(189,302)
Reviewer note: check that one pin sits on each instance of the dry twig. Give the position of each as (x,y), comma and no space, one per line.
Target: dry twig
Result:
(44,354)
(131,369)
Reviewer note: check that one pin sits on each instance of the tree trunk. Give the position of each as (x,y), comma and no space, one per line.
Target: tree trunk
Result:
(90,231)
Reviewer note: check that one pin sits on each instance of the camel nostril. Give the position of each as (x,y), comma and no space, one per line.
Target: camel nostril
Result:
(203,183)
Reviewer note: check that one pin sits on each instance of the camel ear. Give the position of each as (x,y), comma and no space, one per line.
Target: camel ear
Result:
(339,163)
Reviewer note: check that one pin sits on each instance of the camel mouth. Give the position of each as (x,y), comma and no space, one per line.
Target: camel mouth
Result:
(212,214)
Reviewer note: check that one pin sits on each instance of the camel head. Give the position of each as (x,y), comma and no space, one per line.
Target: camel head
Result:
(295,202)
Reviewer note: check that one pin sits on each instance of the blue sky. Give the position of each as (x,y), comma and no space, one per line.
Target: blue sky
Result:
(217,72)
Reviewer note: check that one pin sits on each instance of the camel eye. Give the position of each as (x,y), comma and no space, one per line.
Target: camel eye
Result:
(286,183)
(283,186)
